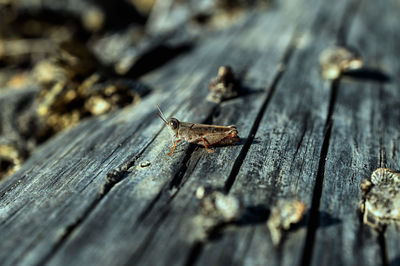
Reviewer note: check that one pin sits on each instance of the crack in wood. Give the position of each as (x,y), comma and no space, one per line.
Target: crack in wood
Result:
(157,57)
(347,19)
(316,198)
(11,216)
(177,180)
(149,207)
(382,151)
(314,210)
(242,155)
(382,244)
(382,163)
(12,186)
(194,253)
(71,228)
(141,250)
(303,133)
(197,247)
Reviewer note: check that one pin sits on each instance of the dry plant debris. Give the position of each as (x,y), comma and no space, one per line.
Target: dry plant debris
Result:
(216,208)
(336,60)
(381,198)
(50,77)
(223,87)
(283,215)
(11,159)
(66,98)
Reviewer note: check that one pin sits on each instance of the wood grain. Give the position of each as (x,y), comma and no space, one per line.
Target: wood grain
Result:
(363,131)
(83,198)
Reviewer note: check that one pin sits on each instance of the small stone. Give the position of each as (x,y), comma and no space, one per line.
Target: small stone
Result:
(145,164)
(200,192)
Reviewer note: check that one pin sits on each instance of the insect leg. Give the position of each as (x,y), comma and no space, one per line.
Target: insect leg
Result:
(206,145)
(173,148)
(172,141)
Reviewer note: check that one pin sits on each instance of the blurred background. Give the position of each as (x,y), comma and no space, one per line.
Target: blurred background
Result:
(64,61)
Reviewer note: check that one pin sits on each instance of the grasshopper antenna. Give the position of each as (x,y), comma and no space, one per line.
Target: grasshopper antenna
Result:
(161,114)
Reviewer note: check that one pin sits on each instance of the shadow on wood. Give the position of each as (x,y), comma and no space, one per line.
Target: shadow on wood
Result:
(371,74)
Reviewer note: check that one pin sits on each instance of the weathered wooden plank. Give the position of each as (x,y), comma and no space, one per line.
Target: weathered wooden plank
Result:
(381,49)
(83,198)
(291,135)
(67,177)
(364,134)
(163,183)
(85,155)
(353,154)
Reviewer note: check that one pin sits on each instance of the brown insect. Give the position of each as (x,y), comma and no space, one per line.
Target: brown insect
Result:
(206,135)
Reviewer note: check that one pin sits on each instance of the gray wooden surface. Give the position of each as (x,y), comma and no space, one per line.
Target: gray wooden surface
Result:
(84,199)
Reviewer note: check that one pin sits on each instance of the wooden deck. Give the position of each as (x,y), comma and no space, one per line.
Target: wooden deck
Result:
(83,198)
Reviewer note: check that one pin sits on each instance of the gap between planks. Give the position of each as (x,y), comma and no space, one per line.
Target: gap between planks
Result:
(198,246)
(346,20)
(316,198)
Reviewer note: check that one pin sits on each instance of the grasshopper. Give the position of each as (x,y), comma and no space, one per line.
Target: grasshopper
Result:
(206,135)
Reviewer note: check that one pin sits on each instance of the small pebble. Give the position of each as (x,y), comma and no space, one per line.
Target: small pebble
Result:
(145,164)
(200,192)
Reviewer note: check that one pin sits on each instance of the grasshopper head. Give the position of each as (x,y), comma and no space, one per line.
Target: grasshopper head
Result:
(173,125)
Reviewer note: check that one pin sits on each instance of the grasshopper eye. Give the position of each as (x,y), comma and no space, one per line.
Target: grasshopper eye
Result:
(173,124)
